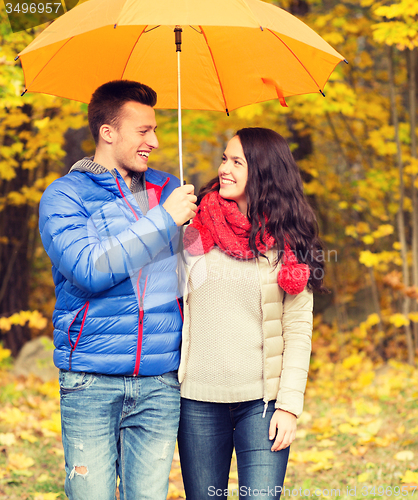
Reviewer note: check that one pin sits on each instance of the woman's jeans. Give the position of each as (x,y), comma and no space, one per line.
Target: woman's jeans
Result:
(118,426)
(208,433)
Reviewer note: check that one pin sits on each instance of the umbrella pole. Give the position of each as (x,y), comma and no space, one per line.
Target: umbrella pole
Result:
(178,32)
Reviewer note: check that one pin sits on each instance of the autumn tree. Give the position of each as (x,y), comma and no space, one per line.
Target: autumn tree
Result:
(32,131)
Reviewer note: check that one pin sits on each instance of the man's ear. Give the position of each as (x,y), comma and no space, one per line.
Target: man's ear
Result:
(107,133)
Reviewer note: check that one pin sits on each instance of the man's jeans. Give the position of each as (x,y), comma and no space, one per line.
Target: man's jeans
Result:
(118,426)
(209,432)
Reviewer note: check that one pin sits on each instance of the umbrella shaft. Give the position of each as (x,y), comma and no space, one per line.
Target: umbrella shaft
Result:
(179,118)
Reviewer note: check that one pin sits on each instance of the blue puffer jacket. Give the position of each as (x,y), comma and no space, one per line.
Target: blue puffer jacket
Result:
(117,310)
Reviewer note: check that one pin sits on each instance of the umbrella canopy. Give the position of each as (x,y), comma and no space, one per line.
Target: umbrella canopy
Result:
(234,52)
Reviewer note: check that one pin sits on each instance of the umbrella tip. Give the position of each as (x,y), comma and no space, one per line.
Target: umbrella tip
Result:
(261,28)
(16,58)
(321,92)
(227,112)
(345,60)
(23,93)
(114,26)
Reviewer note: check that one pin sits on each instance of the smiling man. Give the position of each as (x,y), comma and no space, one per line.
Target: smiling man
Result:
(110,228)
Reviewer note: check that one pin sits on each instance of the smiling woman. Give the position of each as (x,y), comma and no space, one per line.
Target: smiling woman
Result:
(233,174)
(247,318)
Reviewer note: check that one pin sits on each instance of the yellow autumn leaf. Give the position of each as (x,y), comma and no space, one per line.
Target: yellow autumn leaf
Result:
(7,439)
(52,425)
(12,416)
(372,319)
(173,492)
(366,408)
(373,427)
(368,239)
(43,478)
(404,455)
(49,496)
(400,430)
(322,424)
(358,451)
(398,320)
(413,317)
(50,389)
(325,443)
(19,461)
(4,353)
(410,477)
(346,428)
(5,324)
(320,466)
(351,231)
(28,436)
(34,318)
(386,440)
(383,230)
(304,418)
(365,379)
(362,478)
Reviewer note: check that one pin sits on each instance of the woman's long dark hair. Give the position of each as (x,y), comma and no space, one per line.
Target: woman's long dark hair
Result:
(274,190)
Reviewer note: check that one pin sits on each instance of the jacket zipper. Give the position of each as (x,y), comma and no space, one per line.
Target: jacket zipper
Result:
(141,297)
(125,200)
(140,323)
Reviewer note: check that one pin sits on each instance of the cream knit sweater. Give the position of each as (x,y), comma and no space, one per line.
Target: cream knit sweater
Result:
(286,333)
(225,357)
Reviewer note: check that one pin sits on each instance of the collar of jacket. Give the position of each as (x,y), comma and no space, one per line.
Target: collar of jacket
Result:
(154,180)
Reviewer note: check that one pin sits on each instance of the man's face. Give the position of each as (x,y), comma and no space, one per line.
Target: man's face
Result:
(135,138)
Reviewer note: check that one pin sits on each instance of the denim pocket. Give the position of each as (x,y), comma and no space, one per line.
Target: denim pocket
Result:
(74,381)
(170,378)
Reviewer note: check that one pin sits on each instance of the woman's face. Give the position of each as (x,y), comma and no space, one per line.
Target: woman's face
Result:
(233,174)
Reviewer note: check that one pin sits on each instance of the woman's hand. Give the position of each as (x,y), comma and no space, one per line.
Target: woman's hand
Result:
(283,427)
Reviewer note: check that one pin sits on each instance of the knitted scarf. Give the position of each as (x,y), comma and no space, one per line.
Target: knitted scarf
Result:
(218,222)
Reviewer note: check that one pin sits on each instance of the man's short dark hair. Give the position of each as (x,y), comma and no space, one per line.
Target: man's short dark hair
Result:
(107,101)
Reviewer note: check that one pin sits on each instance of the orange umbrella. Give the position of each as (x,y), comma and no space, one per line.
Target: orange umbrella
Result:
(234,52)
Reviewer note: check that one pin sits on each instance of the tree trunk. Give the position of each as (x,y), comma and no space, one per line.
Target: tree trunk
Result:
(400,215)
(412,55)
(14,268)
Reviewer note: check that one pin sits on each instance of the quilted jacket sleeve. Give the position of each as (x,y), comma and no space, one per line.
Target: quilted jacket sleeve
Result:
(92,263)
(297,334)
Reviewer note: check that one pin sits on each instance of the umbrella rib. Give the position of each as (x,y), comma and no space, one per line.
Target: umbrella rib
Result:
(216,69)
(133,48)
(297,58)
(49,60)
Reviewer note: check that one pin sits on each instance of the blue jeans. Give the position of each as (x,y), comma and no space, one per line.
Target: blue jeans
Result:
(118,426)
(208,432)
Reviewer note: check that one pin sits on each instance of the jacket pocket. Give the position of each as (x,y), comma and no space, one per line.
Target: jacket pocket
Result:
(73,345)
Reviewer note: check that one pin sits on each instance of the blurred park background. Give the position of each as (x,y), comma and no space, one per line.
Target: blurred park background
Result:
(358,156)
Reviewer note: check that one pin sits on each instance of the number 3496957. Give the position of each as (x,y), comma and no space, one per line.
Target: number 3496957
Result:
(33,8)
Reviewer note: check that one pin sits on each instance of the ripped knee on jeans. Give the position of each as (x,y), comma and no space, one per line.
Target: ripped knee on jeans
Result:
(80,470)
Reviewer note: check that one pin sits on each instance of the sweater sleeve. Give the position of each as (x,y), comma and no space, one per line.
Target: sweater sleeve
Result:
(89,261)
(297,334)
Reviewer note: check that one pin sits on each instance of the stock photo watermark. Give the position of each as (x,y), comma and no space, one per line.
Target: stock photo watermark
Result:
(24,15)
(348,491)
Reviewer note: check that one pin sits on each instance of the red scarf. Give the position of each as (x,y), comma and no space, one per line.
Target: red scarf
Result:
(219,223)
